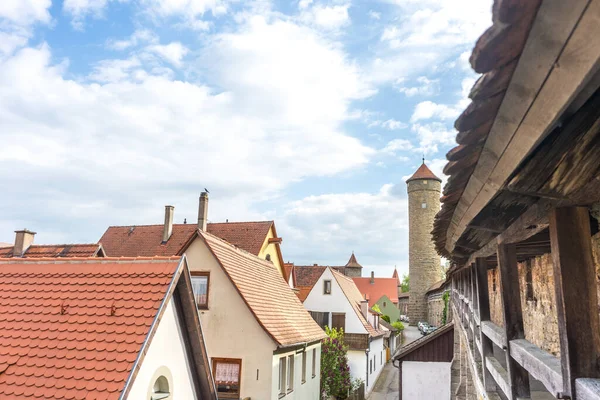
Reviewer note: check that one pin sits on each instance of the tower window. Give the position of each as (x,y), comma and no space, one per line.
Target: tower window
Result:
(423,205)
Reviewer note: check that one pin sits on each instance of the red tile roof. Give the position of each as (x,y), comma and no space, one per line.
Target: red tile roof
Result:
(307,276)
(355,298)
(269,298)
(379,287)
(59,338)
(146,240)
(423,173)
(55,250)
(289,269)
(249,236)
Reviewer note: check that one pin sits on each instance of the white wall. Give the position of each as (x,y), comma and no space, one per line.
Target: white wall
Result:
(426,380)
(357,361)
(335,302)
(309,390)
(376,351)
(165,353)
(230,329)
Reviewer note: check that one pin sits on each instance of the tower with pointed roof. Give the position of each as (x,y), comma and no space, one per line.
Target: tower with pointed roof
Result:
(353,269)
(424,263)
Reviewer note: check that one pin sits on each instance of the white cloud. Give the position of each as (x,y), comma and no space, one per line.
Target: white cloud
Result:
(432,135)
(396,145)
(16,20)
(430,110)
(331,17)
(303,4)
(424,87)
(138,37)
(172,52)
(334,225)
(391,124)
(80,9)
(374,14)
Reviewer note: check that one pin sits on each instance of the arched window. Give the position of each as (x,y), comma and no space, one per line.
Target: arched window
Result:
(160,390)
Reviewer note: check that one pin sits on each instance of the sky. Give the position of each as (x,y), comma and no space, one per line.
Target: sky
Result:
(311,113)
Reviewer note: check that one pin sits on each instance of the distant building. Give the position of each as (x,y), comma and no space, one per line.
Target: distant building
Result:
(24,248)
(101,328)
(380,291)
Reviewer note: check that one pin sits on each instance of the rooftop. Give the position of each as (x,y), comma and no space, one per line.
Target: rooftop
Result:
(423,172)
(55,250)
(379,287)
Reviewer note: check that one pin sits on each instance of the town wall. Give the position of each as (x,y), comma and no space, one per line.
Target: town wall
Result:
(435,308)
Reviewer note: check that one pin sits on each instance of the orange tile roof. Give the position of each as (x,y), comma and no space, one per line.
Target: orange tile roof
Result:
(55,250)
(289,269)
(355,298)
(423,173)
(269,298)
(58,337)
(379,287)
(249,236)
(146,240)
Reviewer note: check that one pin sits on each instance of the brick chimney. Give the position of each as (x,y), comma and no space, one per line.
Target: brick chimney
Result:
(203,211)
(168,228)
(23,239)
(364,308)
(372,277)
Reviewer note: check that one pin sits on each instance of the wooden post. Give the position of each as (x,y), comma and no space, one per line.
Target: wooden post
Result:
(483,297)
(518,377)
(576,299)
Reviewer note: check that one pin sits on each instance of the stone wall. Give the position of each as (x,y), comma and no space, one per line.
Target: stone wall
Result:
(403,305)
(424,262)
(538,299)
(435,308)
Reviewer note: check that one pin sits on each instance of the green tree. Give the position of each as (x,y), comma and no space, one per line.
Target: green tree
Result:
(398,325)
(386,318)
(376,308)
(405,285)
(335,371)
(445,297)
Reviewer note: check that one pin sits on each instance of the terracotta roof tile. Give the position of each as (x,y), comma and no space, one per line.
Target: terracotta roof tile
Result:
(146,240)
(355,298)
(423,173)
(307,276)
(269,298)
(54,250)
(58,338)
(379,287)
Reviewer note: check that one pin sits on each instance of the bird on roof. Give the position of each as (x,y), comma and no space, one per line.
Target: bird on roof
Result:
(206,190)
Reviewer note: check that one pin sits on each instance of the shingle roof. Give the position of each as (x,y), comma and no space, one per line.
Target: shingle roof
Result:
(289,270)
(352,262)
(55,250)
(423,172)
(59,338)
(379,287)
(355,298)
(269,298)
(146,240)
(436,286)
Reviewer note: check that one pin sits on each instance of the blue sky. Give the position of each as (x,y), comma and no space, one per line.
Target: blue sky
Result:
(311,113)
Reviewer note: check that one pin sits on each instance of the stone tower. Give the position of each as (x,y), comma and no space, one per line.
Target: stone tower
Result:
(424,263)
(353,269)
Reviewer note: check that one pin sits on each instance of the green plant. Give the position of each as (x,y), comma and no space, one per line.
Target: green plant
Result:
(386,318)
(376,308)
(445,297)
(335,371)
(398,325)
(405,285)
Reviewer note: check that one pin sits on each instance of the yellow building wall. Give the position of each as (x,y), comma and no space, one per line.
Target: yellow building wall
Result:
(273,250)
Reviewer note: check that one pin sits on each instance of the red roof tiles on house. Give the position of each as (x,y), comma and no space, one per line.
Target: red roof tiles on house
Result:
(269,298)
(423,173)
(307,276)
(146,240)
(55,250)
(379,287)
(73,329)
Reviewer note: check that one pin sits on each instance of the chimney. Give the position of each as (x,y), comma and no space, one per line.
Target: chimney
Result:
(203,211)
(23,239)
(168,228)
(364,308)
(372,277)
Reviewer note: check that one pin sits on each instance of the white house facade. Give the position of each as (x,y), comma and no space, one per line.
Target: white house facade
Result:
(336,302)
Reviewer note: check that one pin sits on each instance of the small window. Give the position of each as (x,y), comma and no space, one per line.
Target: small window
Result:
(200,281)
(282,376)
(303,366)
(423,205)
(290,373)
(384,303)
(327,287)
(227,373)
(268,257)
(160,390)
(314,363)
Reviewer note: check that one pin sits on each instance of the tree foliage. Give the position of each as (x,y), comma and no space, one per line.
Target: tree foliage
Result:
(398,325)
(405,285)
(335,371)
(376,308)
(445,297)
(386,318)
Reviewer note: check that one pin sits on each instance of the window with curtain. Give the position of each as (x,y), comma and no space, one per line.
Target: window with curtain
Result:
(200,282)
(227,374)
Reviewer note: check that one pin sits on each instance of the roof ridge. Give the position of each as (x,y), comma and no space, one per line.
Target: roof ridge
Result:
(239,249)
(88,260)
(242,222)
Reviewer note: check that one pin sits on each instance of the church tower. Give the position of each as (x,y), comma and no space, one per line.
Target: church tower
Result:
(424,263)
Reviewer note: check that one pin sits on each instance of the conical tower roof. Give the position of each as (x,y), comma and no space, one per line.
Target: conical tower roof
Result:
(352,262)
(423,173)
(395,275)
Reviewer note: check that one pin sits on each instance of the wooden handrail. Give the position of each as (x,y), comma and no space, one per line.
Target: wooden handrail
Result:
(542,365)
(494,333)
(499,374)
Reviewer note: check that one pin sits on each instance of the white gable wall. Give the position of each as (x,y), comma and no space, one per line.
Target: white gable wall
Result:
(376,351)
(230,329)
(166,356)
(335,302)
(429,380)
